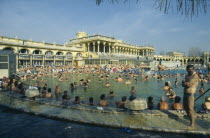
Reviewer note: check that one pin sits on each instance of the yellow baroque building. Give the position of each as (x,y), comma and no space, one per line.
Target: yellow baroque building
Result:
(82,50)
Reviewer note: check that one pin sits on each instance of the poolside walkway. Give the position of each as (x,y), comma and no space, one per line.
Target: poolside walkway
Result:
(152,120)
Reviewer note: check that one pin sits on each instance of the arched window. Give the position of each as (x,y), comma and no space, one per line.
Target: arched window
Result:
(48,53)
(59,53)
(8,48)
(79,55)
(69,54)
(24,51)
(37,52)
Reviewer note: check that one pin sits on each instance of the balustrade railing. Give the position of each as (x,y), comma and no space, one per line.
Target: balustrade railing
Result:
(37,56)
(22,55)
(49,57)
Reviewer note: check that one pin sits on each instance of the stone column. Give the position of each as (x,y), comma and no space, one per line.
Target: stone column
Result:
(64,60)
(88,47)
(17,61)
(73,57)
(104,47)
(54,59)
(109,48)
(94,47)
(43,60)
(30,59)
(98,45)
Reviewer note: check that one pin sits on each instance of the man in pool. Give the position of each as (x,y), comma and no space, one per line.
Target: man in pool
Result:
(190,84)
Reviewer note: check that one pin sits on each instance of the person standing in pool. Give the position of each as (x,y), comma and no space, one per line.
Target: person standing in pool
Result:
(190,84)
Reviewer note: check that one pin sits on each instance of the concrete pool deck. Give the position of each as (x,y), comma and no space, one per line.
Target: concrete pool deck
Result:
(151,120)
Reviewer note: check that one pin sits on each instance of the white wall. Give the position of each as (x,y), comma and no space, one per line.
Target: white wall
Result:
(4,72)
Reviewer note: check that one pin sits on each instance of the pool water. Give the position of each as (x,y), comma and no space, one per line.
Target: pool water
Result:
(144,89)
(18,124)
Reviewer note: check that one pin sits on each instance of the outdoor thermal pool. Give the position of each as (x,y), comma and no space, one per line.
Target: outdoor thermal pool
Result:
(144,89)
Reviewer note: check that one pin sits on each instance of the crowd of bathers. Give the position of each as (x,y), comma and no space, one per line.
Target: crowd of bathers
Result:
(16,84)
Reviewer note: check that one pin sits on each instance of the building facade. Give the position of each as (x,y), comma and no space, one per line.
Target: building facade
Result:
(204,59)
(82,50)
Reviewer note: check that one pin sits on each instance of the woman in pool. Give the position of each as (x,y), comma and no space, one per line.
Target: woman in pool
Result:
(171,93)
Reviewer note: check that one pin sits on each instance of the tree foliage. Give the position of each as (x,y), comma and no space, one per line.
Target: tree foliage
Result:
(162,53)
(184,7)
(194,52)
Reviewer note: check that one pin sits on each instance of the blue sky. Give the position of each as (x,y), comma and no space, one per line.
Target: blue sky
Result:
(139,24)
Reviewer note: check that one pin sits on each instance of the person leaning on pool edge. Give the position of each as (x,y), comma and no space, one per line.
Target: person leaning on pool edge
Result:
(190,84)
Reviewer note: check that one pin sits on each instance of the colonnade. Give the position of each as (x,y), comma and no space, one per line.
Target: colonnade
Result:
(112,48)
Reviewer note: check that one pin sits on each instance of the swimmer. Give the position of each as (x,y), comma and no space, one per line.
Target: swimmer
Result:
(111,94)
(162,105)
(133,91)
(171,94)
(107,84)
(122,103)
(176,82)
(177,105)
(57,89)
(75,85)
(150,103)
(146,78)
(77,100)
(91,101)
(128,81)
(201,91)
(81,81)
(65,98)
(166,87)
(85,84)
(103,101)
(120,79)
(48,93)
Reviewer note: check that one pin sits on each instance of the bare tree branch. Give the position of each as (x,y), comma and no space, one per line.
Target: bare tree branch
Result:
(184,7)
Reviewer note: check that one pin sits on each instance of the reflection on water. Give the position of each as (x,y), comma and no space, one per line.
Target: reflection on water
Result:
(144,89)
